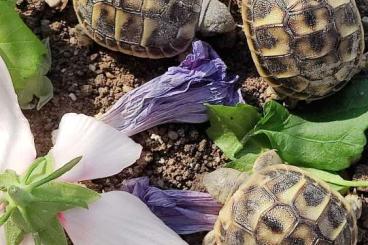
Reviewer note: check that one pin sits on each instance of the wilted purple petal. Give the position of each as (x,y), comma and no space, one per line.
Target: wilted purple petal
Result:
(177,96)
(185,212)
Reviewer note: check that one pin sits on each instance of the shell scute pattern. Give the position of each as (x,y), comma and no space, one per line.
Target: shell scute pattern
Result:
(317,43)
(144,28)
(285,205)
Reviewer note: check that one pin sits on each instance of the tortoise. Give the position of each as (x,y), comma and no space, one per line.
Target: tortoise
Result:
(279,204)
(305,49)
(151,28)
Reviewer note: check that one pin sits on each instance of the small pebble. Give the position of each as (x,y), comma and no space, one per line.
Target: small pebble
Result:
(173,135)
(86,89)
(202,145)
(93,57)
(72,96)
(92,67)
(127,88)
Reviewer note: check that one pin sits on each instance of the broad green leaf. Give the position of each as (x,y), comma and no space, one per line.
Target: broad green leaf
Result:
(53,234)
(229,125)
(247,156)
(13,234)
(27,58)
(328,135)
(329,145)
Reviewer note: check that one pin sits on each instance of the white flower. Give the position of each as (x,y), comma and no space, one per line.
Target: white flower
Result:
(117,217)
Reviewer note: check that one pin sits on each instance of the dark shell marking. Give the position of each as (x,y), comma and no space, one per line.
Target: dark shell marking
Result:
(143,28)
(309,33)
(258,214)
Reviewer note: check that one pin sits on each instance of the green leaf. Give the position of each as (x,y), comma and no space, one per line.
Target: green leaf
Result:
(329,145)
(55,197)
(328,135)
(6,215)
(18,219)
(27,58)
(229,125)
(247,156)
(13,234)
(70,194)
(342,189)
(335,178)
(39,214)
(53,234)
(45,202)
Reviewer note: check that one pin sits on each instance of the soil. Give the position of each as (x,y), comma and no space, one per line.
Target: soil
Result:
(88,79)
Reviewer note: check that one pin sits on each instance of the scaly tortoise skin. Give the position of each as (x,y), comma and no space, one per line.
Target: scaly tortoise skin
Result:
(283,204)
(305,49)
(143,28)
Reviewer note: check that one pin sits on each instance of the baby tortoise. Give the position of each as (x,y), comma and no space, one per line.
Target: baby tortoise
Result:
(279,204)
(305,49)
(151,28)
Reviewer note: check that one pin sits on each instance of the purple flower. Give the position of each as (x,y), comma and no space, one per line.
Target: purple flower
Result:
(178,95)
(185,212)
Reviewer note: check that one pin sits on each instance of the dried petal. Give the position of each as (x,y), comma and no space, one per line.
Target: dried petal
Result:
(185,212)
(177,96)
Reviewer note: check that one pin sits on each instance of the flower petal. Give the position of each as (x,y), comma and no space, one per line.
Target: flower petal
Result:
(105,150)
(17,149)
(117,218)
(28,240)
(2,235)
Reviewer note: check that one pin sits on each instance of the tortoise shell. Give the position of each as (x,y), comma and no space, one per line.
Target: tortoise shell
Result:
(143,28)
(305,49)
(283,204)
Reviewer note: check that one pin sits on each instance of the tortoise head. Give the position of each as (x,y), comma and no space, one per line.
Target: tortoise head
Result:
(215,18)
(223,182)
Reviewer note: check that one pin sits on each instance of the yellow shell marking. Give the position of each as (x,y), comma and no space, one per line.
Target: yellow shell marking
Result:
(337,3)
(129,27)
(309,21)
(273,41)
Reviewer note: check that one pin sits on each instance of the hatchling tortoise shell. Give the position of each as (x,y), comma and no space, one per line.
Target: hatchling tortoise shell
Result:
(305,49)
(283,204)
(151,28)
(143,28)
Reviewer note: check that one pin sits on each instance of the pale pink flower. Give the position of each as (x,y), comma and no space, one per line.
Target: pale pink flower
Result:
(117,217)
